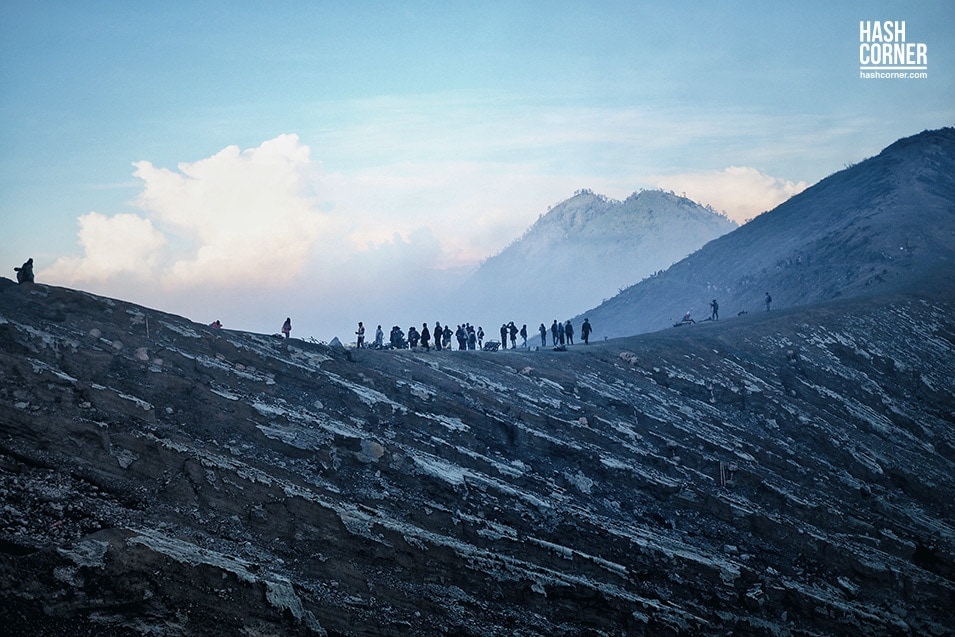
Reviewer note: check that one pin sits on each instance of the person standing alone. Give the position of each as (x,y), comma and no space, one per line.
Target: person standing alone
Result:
(361,334)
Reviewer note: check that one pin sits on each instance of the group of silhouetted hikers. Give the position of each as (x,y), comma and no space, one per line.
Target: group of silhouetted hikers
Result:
(438,338)
(469,337)
(715,312)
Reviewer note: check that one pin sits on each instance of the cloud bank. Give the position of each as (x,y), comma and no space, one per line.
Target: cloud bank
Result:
(242,231)
(250,216)
(236,218)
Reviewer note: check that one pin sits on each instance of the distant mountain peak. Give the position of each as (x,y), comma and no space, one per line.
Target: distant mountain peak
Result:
(586,248)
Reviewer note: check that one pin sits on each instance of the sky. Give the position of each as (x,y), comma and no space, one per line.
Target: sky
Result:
(343,161)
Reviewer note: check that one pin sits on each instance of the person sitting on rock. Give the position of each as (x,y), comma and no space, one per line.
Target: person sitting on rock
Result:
(25,272)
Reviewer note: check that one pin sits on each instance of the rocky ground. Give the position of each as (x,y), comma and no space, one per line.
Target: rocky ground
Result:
(783,473)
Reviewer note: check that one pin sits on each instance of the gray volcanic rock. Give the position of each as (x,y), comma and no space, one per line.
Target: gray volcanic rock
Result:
(884,224)
(788,473)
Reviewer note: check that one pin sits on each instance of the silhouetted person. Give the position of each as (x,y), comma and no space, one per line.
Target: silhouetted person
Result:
(512,329)
(560,333)
(585,331)
(569,332)
(503,335)
(480,337)
(379,337)
(553,333)
(524,335)
(25,272)
(438,335)
(768,300)
(543,331)
(287,327)
(425,337)
(715,314)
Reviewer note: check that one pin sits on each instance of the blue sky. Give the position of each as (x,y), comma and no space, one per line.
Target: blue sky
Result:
(172,154)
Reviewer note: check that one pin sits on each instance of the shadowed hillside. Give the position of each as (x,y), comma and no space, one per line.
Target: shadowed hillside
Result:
(885,223)
(787,473)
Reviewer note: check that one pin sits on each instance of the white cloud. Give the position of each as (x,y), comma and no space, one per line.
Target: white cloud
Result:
(251,216)
(740,191)
(123,245)
(236,219)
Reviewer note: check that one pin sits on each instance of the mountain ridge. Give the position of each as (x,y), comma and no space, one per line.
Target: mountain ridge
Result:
(886,221)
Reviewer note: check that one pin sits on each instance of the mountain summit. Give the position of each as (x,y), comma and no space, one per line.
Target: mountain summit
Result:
(585,249)
(886,222)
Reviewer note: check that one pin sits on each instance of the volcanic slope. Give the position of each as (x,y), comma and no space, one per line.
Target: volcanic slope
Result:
(584,250)
(786,473)
(885,223)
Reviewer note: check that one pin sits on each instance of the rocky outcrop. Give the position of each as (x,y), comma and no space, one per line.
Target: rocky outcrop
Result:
(788,473)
